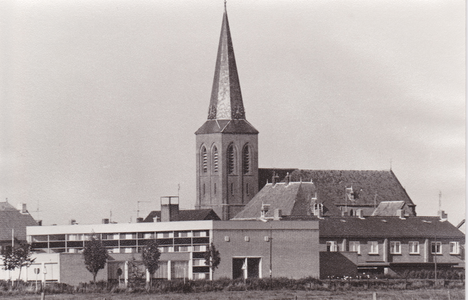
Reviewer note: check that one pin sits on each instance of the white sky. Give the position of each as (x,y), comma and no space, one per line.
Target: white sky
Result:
(100,99)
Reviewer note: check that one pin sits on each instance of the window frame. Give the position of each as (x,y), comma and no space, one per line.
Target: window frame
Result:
(395,247)
(356,245)
(411,245)
(457,247)
(332,246)
(435,243)
(374,247)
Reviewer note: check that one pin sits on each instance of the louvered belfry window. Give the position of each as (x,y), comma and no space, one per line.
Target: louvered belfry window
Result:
(215,159)
(231,159)
(204,160)
(246,160)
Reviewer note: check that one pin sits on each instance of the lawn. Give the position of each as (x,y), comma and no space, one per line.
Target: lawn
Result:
(430,294)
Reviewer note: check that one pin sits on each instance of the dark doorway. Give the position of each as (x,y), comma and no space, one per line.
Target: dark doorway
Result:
(253,267)
(237,271)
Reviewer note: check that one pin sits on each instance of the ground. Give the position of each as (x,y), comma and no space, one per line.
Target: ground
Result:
(441,294)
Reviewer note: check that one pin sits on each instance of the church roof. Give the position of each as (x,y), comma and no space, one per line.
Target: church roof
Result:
(227,126)
(365,188)
(291,198)
(226,98)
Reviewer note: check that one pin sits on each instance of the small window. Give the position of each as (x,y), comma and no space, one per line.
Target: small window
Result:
(332,246)
(413,247)
(355,246)
(215,159)
(204,160)
(374,248)
(454,248)
(436,247)
(231,158)
(395,247)
(246,160)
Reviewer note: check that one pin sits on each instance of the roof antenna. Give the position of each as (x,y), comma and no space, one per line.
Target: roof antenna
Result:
(390,164)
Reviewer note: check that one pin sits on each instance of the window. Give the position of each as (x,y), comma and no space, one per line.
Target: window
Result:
(232,189)
(247,188)
(215,159)
(231,158)
(454,248)
(395,248)
(413,247)
(355,246)
(199,248)
(199,262)
(436,247)
(199,233)
(162,235)
(215,188)
(204,160)
(374,248)
(246,160)
(332,246)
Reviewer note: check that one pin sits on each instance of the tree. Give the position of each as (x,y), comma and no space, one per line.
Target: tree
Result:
(18,257)
(95,256)
(212,257)
(151,256)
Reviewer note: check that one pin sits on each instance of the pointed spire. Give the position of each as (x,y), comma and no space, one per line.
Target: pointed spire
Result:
(226,98)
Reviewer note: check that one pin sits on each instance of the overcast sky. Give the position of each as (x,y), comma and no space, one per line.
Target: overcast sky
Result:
(100,99)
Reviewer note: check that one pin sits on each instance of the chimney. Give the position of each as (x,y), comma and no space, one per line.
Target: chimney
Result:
(401,214)
(156,219)
(169,210)
(72,222)
(39,222)
(287,178)
(105,221)
(273,179)
(277,214)
(139,220)
(359,213)
(442,215)
(22,208)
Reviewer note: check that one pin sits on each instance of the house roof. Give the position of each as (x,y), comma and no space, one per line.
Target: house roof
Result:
(292,199)
(11,218)
(388,208)
(186,215)
(367,187)
(388,227)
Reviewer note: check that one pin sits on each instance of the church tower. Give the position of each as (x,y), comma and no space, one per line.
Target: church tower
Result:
(227,144)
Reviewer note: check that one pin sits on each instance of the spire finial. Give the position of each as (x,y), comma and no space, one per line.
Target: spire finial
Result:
(225,5)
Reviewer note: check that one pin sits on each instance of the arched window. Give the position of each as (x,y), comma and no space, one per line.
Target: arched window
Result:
(215,159)
(231,158)
(204,160)
(246,160)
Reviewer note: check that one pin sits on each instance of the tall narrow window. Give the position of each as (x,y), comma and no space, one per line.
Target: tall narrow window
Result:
(246,160)
(413,247)
(247,188)
(204,160)
(231,157)
(215,188)
(374,248)
(454,247)
(232,189)
(332,246)
(395,247)
(215,159)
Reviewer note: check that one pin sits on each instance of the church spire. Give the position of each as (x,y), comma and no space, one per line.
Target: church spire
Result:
(226,98)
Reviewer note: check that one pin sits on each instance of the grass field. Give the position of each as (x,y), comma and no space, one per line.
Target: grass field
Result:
(441,294)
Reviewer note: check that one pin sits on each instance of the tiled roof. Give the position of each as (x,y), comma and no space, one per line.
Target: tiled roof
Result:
(10,218)
(388,208)
(369,187)
(226,126)
(186,215)
(292,199)
(388,227)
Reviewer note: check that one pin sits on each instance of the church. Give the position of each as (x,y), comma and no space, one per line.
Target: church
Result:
(228,177)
